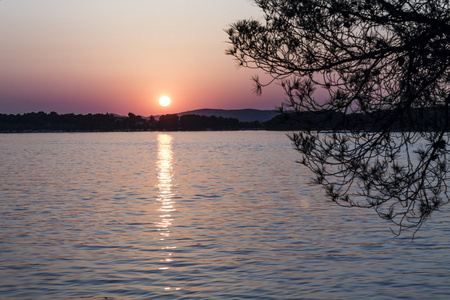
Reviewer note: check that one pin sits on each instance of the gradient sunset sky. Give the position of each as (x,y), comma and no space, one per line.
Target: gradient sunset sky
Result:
(120,56)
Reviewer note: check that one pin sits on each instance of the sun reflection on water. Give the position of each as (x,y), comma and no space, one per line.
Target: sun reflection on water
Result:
(164,166)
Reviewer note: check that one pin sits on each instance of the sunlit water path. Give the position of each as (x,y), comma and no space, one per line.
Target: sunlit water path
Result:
(201,215)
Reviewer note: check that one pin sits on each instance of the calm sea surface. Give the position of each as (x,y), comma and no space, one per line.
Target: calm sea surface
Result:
(203,215)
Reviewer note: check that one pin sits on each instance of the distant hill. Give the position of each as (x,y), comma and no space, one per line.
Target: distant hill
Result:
(243,115)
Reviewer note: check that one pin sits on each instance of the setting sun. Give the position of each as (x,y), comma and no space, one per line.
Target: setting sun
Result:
(164,101)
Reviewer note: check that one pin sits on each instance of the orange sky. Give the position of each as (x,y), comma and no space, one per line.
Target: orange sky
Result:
(120,56)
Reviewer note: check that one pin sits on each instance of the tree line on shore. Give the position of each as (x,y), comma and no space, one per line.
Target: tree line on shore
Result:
(41,121)
(327,120)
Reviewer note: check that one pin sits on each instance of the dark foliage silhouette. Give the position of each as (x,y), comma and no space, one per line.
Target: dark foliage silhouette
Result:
(53,121)
(169,122)
(196,122)
(384,68)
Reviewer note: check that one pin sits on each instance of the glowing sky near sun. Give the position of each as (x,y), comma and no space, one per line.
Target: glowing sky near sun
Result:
(120,56)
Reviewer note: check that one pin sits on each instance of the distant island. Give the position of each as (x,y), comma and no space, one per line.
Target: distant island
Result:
(243,115)
(205,119)
(216,119)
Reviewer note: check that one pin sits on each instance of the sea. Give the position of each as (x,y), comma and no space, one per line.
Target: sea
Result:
(195,215)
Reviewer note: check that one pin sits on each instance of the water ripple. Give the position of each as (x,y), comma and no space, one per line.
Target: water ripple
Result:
(203,215)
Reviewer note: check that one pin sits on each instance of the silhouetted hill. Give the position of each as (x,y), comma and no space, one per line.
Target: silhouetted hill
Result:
(412,119)
(51,122)
(243,115)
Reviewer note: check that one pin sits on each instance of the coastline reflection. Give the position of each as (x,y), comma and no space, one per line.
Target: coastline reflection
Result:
(164,166)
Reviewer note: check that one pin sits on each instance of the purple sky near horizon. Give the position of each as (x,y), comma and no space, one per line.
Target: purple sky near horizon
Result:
(120,56)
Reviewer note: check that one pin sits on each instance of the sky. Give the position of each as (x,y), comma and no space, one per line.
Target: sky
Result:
(120,56)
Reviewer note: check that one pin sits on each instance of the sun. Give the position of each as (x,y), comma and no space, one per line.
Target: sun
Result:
(164,101)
